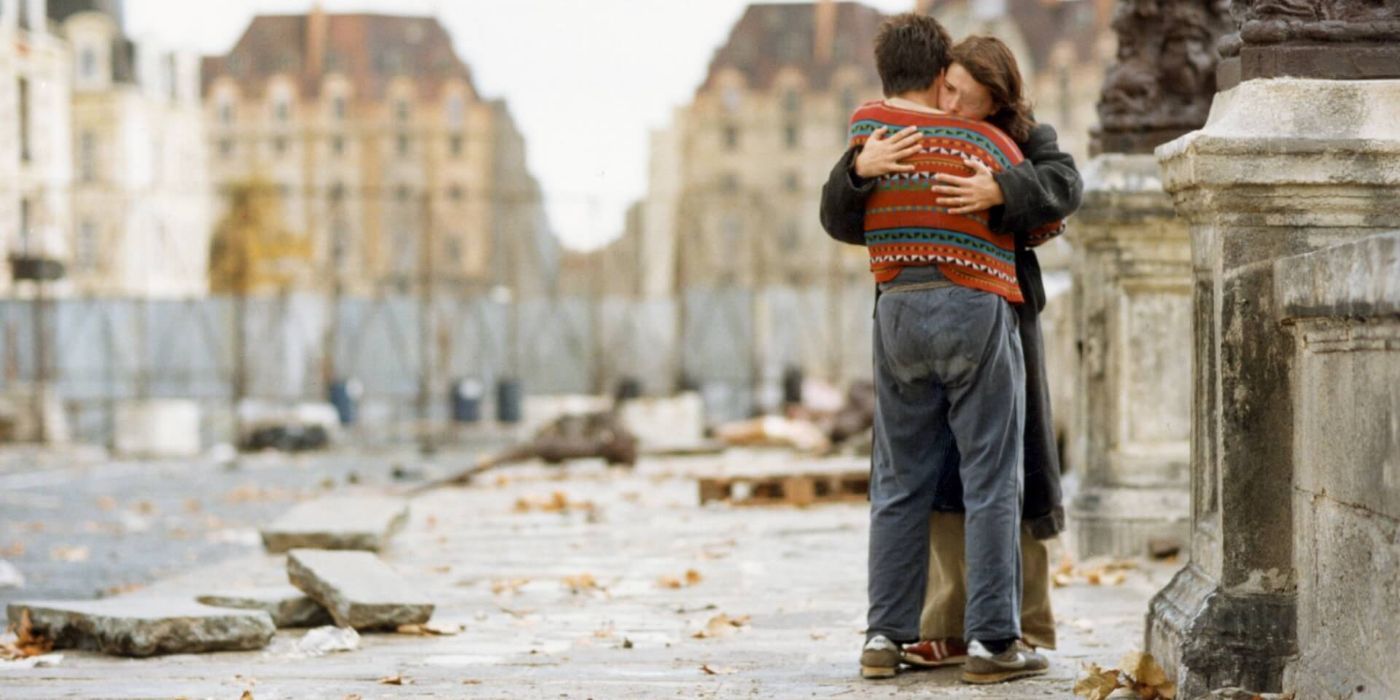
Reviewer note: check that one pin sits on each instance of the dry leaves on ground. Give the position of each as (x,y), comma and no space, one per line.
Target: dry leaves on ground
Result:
(1095,572)
(26,643)
(716,670)
(691,578)
(557,502)
(247,695)
(582,583)
(69,554)
(511,586)
(721,625)
(431,629)
(1140,674)
(392,680)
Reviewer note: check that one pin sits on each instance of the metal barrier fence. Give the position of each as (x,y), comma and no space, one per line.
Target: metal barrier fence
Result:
(731,344)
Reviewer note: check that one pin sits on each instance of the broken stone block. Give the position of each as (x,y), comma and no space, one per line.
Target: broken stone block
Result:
(145,626)
(358,589)
(287,605)
(349,522)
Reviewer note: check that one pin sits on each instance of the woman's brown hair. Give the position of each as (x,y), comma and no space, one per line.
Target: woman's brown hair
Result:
(990,62)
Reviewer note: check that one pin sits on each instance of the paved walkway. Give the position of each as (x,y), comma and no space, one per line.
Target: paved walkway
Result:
(797,575)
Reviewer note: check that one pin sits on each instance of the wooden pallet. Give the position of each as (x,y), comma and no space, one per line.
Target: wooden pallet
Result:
(786,489)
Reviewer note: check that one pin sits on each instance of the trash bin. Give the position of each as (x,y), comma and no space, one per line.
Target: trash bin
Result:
(466,400)
(345,395)
(508,409)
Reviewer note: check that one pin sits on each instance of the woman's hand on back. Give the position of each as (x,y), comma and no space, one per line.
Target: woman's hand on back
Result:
(881,156)
(968,195)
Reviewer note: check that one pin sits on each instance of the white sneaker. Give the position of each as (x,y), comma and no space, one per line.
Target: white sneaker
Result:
(880,658)
(1018,661)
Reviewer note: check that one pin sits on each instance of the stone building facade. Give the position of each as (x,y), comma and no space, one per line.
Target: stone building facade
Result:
(141,193)
(382,151)
(36,169)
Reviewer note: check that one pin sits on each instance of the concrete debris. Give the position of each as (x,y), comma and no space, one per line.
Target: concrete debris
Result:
(599,435)
(328,640)
(358,589)
(287,605)
(10,577)
(145,626)
(350,522)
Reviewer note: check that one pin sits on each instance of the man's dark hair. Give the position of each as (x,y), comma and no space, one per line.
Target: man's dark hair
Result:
(910,51)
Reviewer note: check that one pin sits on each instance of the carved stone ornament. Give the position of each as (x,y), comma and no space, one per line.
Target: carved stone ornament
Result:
(1332,39)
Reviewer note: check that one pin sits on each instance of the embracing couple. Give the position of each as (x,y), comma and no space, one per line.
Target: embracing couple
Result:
(949,182)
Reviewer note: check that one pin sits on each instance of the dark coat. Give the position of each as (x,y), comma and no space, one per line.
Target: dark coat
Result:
(1046,187)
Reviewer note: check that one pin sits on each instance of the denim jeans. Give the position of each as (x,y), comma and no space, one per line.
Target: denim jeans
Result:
(949,383)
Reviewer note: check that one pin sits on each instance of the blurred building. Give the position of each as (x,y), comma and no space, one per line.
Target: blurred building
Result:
(36,166)
(382,152)
(141,190)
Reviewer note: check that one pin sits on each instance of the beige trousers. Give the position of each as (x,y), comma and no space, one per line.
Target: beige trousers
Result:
(946,597)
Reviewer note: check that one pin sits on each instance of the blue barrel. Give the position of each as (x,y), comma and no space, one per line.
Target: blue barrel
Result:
(345,396)
(466,400)
(508,408)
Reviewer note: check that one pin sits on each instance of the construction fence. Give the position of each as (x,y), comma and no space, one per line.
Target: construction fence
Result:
(407,355)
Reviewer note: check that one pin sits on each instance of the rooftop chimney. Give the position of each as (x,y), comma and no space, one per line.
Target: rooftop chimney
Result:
(825,34)
(315,39)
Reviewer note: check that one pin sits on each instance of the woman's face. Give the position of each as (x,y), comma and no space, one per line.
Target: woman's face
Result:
(963,96)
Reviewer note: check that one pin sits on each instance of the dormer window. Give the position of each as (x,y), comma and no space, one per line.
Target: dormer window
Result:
(87,63)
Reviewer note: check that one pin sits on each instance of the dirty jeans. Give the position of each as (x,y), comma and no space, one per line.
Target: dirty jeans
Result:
(949,381)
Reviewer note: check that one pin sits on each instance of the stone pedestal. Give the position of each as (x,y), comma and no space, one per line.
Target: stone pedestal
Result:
(1343,305)
(1132,286)
(1282,168)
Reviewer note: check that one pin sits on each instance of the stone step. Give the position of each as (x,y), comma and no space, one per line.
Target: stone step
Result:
(145,626)
(287,605)
(359,589)
(343,522)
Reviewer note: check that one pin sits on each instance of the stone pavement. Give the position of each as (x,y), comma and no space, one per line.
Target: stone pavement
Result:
(585,595)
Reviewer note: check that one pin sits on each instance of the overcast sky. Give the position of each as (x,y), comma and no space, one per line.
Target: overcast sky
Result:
(586,80)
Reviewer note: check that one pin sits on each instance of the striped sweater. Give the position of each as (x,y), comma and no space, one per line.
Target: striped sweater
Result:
(904,227)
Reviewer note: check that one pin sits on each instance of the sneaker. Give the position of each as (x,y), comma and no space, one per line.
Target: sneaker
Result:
(935,653)
(1018,661)
(879,658)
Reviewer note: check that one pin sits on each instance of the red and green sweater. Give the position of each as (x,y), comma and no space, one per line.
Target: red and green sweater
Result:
(904,226)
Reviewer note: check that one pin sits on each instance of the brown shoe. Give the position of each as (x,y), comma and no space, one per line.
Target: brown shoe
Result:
(1018,661)
(935,653)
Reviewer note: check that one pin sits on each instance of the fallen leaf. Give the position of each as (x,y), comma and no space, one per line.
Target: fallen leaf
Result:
(669,582)
(693,577)
(716,670)
(27,643)
(69,554)
(514,585)
(391,680)
(16,549)
(581,583)
(145,507)
(721,625)
(1096,683)
(247,695)
(557,502)
(106,503)
(353,696)
(1062,580)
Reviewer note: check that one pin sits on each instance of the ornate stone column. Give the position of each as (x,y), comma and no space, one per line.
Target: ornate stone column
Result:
(1283,167)
(1132,285)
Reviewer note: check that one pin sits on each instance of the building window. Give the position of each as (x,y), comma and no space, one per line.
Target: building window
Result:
(87,63)
(85,251)
(87,156)
(226,147)
(279,145)
(792,101)
(792,137)
(226,112)
(731,136)
(732,228)
(456,111)
(401,110)
(454,250)
(403,145)
(792,181)
(792,236)
(338,145)
(282,110)
(25,21)
(25,147)
(338,108)
(457,144)
(26,222)
(728,183)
